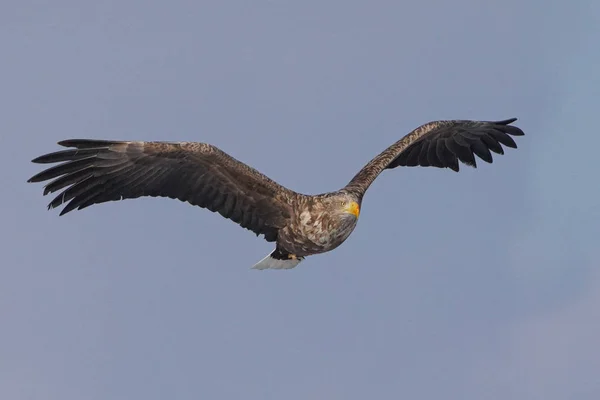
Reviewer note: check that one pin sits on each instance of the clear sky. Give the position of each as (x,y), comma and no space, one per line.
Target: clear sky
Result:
(478,285)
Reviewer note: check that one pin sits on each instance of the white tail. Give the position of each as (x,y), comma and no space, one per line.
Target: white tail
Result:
(269,262)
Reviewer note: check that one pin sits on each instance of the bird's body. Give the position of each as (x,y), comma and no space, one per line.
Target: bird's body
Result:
(96,171)
(317,226)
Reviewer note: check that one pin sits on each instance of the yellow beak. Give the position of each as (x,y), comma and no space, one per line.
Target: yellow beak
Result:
(353,208)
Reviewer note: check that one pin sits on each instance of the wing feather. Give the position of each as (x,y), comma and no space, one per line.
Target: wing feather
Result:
(423,160)
(481,150)
(412,157)
(503,138)
(440,144)
(492,143)
(432,156)
(97,171)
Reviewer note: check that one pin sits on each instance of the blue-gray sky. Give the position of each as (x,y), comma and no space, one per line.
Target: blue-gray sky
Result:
(478,285)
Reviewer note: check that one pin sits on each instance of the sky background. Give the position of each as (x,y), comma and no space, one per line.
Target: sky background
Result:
(478,285)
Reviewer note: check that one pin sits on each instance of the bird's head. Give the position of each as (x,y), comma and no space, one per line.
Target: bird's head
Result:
(345,204)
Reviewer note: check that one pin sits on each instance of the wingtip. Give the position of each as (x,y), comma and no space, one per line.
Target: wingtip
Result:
(69,142)
(34,179)
(506,121)
(87,143)
(511,129)
(40,159)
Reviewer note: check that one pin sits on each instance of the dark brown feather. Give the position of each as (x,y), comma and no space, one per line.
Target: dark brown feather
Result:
(97,171)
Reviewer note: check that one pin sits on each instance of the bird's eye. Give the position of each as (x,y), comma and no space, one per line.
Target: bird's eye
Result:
(344,202)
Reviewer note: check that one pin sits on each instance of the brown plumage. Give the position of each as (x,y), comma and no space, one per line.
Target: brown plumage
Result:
(97,171)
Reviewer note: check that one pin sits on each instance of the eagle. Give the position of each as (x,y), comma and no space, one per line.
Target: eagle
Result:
(300,225)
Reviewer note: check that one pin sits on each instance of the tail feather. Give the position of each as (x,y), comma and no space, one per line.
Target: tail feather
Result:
(278,260)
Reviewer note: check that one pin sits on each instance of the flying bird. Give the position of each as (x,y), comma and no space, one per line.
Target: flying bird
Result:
(97,171)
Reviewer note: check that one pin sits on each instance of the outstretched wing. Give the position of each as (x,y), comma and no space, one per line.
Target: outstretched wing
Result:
(441,144)
(96,171)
